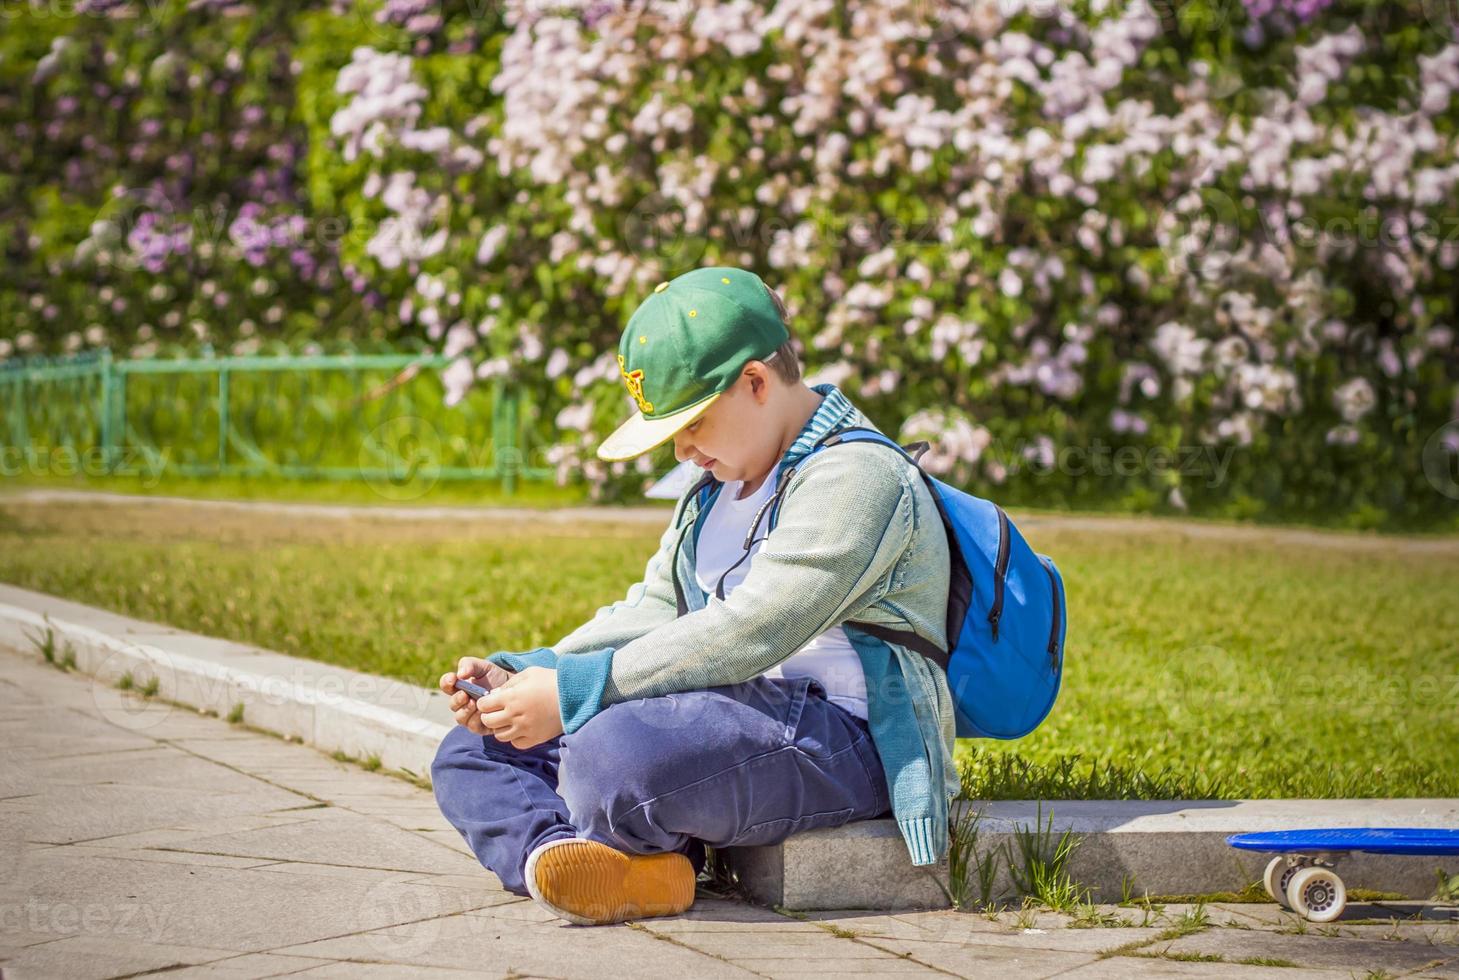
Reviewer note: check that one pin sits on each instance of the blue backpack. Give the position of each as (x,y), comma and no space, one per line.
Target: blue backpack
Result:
(1005,606)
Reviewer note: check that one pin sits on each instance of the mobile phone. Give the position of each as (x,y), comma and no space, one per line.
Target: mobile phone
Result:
(475,690)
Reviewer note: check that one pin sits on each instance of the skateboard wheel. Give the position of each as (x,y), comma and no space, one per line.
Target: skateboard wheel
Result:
(1317,894)
(1288,871)
(1272,878)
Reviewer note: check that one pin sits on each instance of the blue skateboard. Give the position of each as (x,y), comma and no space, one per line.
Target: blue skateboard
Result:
(1301,876)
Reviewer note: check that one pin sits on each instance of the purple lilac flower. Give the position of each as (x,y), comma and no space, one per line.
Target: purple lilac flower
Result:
(596,12)
(416,16)
(249,234)
(151,242)
(1301,10)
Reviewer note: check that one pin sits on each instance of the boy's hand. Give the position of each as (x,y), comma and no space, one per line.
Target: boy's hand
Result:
(523,711)
(463,706)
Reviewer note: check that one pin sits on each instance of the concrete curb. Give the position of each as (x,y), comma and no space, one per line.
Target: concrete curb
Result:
(1160,847)
(329,707)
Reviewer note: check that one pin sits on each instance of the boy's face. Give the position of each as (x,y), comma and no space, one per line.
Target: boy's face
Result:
(733,439)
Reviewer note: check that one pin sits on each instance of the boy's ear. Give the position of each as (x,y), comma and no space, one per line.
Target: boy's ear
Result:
(759,379)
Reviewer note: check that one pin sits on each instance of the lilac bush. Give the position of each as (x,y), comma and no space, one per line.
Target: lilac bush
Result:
(155,190)
(1028,231)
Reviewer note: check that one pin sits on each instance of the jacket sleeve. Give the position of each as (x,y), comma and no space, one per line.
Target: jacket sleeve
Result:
(649,604)
(844,523)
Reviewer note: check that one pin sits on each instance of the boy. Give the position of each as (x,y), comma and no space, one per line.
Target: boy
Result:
(724,701)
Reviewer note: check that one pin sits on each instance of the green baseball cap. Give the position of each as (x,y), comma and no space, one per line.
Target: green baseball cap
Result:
(684,347)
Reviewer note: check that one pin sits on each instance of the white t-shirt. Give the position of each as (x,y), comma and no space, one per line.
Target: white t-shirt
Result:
(828,657)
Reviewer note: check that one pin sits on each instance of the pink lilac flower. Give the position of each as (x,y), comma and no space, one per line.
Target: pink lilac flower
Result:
(152,242)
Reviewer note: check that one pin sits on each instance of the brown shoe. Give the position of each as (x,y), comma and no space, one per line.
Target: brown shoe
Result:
(589,883)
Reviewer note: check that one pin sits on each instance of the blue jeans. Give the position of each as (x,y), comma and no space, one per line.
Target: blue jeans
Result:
(734,765)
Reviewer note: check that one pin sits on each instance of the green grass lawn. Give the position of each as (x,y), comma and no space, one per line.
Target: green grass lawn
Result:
(1196,666)
(446,493)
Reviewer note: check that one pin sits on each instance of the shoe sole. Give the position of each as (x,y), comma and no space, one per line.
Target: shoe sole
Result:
(589,883)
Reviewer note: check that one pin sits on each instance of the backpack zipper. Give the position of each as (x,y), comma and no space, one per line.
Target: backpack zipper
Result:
(706,483)
(1058,616)
(1000,571)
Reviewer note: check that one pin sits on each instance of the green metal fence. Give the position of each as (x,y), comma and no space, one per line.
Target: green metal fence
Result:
(377,417)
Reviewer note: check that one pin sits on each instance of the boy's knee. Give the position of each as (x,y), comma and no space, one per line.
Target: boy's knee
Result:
(458,743)
(607,768)
(590,769)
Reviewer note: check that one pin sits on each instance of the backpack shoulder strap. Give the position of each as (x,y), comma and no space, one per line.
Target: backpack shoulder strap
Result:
(913,454)
(700,492)
(859,433)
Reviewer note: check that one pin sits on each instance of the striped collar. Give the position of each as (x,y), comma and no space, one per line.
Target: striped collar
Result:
(834,412)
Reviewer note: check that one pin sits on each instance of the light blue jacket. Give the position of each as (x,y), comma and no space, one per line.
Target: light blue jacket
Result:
(858,537)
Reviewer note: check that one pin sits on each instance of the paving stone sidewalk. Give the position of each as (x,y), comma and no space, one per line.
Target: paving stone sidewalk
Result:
(137,836)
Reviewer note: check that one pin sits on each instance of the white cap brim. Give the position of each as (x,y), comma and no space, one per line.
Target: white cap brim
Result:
(637,435)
